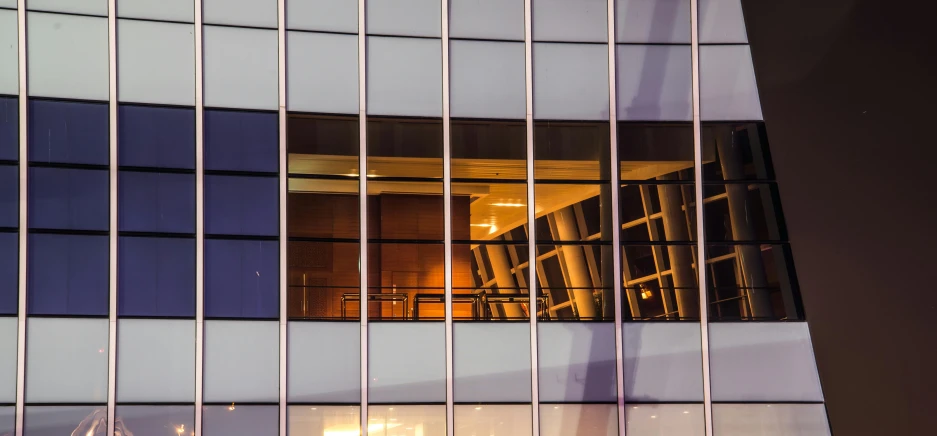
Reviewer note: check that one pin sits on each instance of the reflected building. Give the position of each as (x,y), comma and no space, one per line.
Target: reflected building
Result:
(411,218)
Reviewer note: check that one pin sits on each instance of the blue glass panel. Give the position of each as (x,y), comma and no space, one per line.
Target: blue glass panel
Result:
(241,279)
(156,137)
(9,269)
(67,275)
(156,202)
(156,276)
(68,132)
(70,199)
(9,128)
(237,205)
(241,141)
(9,195)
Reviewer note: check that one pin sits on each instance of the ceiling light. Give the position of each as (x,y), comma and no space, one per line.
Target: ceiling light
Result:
(480,225)
(508,204)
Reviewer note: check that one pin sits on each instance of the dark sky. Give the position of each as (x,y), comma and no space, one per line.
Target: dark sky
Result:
(849,92)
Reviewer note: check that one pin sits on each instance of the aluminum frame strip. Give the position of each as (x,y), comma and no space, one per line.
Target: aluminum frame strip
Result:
(112,227)
(363,207)
(447,216)
(616,219)
(281,58)
(531,218)
(701,236)
(199,216)
(22,235)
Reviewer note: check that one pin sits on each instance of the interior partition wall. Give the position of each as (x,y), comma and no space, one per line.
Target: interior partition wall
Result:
(393,218)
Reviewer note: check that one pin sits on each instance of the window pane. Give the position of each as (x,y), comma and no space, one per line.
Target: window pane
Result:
(240,420)
(487,79)
(404,17)
(254,345)
(324,420)
(575,282)
(323,15)
(400,273)
(654,82)
(9,58)
(241,279)
(770,419)
(752,281)
(491,362)
(571,81)
(9,127)
(8,338)
(156,420)
(240,64)
(156,202)
(241,141)
(579,364)
(150,136)
(665,420)
(570,20)
(494,420)
(170,10)
(742,212)
(239,205)
(317,85)
(8,419)
(324,280)
(323,145)
(77,44)
(156,276)
(664,360)
(156,359)
(485,149)
(404,76)
(404,147)
(407,362)
(489,282)
(68,132)
(156,62)
(96,7)
(727,84)
(60,420)
(68,199)
(654,21)
(739,152)
(67,275)
(9,272)
(257,13)
(571,151)
(487,19)
(66,361)
(335,379)
(426,420)
(721,21)
(578,420)
(9,195)
(405,210)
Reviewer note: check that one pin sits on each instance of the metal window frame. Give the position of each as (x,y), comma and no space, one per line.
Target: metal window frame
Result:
(112,235)
(199,215)
(531,218)
(23,209)
(363,208)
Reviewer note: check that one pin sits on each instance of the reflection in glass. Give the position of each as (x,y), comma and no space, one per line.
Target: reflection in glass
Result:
(404,147)
(322,276)
(736,152)
(318,420)
(666,420)
(494,420)
(578,420)
(489,281)
(657,212)
(65,420)
(322,145)
(410,210)
(752,281)
(404,280)
(483,149)
(660,281)
(571,151)
(236,419)
(572,279)
(770,419)
(406,420)
(156,420)
(742,212)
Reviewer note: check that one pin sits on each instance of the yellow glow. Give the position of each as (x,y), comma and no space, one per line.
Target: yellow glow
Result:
(508,204)
(180,429)
(480,225)
(353,430)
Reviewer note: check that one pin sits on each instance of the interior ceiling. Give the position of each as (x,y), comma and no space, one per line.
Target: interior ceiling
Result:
(499,198)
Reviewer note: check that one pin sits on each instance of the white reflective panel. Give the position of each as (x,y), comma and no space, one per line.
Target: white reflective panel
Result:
(257,13)
(154,420)
(721,21)
(9,57)
(487,79)
(326,15)
(7,419)
(763,361)
(491,362)
(404,17)
(241,68)
(770,420)
(91,7)
(156,62)
(492,420)
(156,358)
(489,19)
(652,21)
(8,4)
(7,360)
(570,20)
(570,81)
(63,420)
(78,45)
(578,420)
(406,420)
(404,77)
(324,362)
(322,72)
(323,420)
(241,361)
(727,84)
(406,362)
(577,361)
(235,420)
(66,360)
(663,362)
(665,420)
(170,10)
(654,83)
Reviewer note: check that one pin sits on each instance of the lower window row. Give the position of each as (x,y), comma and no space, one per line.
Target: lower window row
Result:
(425,420)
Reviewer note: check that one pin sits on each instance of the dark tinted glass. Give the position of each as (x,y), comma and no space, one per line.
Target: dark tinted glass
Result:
(657,212)
(323,279)
(323,145)
(156,137)
(398,274)
(573,278)
(241,279)
(68,132)
(488,282)
(156,276)
(9,195)
(405,210)
(9,128)
(156,202)
(68,199)
(324,215)
(67,275)
(752,281)
(241,205)
(743,212)
(9,272)
(488,149)
(571,151)
(241,141)
(738,152)
(404,147)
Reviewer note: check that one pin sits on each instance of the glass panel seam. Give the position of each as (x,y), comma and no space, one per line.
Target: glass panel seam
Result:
(112,227)
(199,215)
(282,193)
(23,177)
(363,211)
(531,220)
(447,214)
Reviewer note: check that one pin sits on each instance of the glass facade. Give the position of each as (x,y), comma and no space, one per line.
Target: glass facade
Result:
(392,218)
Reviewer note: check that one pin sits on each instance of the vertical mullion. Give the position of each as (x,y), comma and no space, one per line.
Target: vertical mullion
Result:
(531,218)
(112,235)
(281,57)
(447,214)
(700,234)
(23,208)
(199,216)
(363,210)
(616,224)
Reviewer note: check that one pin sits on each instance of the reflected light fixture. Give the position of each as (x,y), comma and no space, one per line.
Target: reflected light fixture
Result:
(231,407)
(508,204)
(646,294)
